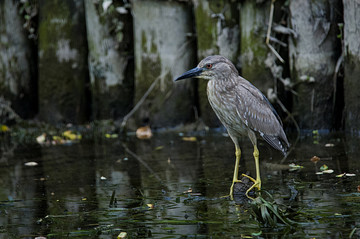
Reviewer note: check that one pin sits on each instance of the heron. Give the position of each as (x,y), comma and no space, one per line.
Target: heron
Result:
(242,109)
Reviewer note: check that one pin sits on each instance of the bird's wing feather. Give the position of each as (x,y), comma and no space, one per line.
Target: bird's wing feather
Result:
(256,111)
(254,108)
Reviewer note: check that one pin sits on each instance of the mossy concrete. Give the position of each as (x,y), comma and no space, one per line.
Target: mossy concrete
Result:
(218,33)
(63,75)
(17,62)
(254,18)
(111,62)
(164,49)
(352,66)
(313,55)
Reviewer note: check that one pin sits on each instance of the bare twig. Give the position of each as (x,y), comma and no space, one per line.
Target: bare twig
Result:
(179,53)
(269,31)
(296,125)
(336,72)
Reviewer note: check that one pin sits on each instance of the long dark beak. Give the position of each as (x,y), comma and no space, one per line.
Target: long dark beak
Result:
(191,73)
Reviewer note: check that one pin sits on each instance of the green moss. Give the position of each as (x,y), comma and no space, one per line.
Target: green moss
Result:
(206,28)
(253,47)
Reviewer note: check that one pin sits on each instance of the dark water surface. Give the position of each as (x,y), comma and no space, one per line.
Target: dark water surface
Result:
(167,187)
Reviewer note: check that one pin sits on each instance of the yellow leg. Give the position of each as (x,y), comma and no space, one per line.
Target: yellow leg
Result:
(257,182)
(236,171)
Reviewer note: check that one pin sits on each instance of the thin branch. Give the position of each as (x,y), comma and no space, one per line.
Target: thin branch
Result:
(296,125)
(336,72)
(269,31)
(152,86)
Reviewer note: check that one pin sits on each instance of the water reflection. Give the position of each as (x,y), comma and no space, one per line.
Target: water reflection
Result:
(169,187)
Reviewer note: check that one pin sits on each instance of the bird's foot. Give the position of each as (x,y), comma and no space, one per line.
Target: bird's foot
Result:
(252,179)
(231,194)
(257,184)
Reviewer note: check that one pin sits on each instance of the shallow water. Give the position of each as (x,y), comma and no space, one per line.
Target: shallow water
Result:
(167,187)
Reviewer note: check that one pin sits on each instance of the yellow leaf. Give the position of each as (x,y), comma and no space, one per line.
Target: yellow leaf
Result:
(4,128)
(159,147)
(122,235)
(324,167)
(191,139)
(70,135)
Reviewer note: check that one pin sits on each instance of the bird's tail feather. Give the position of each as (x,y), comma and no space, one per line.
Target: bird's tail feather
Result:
(276,143)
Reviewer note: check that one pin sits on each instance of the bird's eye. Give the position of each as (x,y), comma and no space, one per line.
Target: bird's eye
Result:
(209,66)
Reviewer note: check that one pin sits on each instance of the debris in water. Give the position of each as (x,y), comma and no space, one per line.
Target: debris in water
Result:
(329,145)
(315,159)
(324,167)
(122,235)
(31,164)
(144,132)
(190,139)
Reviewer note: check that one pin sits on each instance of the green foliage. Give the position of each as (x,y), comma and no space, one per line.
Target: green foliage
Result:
(270,214)
(111,13)
(29,9)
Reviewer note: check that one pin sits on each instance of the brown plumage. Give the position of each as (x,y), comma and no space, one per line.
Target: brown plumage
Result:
(241,107)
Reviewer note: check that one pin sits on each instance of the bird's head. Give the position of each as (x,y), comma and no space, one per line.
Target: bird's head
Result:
(211,68)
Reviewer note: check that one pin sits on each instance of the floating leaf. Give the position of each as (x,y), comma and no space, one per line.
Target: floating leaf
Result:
(329,145)
(70,135)
(315,159)
(191,139)
(295,167)
(144,132)
(159,147)
(41,138)
(346,174)
(122,235)
(151,206)
(31,164)
(324,167)
(111,136)
(328,171)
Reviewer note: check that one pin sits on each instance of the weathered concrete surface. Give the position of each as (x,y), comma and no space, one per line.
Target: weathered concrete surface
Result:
(62,53)
(17,62)
(218,33)
(164,49)
(254,19)
(111,61)
(313,56)
(352,65)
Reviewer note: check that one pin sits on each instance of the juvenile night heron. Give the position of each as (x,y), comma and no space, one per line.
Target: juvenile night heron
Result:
(242,109)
